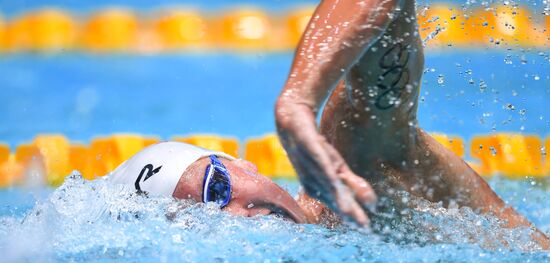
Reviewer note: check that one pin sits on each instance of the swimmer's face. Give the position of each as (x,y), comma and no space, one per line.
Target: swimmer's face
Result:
(252,194)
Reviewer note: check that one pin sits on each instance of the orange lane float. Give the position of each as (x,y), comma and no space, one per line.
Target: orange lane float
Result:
(453,143)
(28,165)
(270,157)
(110,30)
(43,30)
(546,156)
(243,29)
(513,155)
(107,153)
(5,171)
(485,149)
(212,142)
(2,34)
(4,153)
(296,23)
(16,36)
(80,159)
(181,29)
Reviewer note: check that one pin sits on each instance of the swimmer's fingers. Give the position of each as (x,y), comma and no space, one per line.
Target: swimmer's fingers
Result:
(349,207)
(362,190)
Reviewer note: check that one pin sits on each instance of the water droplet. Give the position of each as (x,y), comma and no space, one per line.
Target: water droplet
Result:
(508,60)
(482,86)
(509,106)
(493,151)
(440,79)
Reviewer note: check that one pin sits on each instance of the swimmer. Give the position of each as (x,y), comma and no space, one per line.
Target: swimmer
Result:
(188,172)
(363,60)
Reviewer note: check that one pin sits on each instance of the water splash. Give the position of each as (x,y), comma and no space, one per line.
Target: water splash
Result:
(84,220)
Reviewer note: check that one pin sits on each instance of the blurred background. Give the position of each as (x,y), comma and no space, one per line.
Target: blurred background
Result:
(85,70)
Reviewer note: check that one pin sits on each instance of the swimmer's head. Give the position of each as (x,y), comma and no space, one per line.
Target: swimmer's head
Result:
(180,170)
(251,193)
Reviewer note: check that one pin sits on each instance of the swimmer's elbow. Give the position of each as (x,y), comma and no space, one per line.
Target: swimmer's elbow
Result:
(290,113)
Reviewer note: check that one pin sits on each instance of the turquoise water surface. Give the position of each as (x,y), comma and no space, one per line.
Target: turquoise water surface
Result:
(82,96)
(100,222)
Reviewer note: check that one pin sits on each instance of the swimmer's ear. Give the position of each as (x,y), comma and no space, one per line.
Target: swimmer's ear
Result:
(246,165)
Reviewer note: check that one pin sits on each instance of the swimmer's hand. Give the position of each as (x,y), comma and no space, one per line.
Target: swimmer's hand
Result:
(321,169)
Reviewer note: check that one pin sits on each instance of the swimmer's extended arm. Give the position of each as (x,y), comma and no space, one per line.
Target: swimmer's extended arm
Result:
(461,184)
(336,37)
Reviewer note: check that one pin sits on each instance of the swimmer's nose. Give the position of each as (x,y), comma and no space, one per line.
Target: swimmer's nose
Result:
(279,201)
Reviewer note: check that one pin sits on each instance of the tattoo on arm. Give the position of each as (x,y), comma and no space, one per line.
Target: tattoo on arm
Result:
(394,62)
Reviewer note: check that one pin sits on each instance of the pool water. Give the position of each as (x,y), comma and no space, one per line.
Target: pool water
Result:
(83,95)
(96,221)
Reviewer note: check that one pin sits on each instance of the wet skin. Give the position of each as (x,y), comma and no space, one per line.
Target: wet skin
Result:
(252,194)
(365,58)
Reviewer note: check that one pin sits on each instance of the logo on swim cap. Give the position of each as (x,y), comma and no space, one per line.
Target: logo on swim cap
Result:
(150,172)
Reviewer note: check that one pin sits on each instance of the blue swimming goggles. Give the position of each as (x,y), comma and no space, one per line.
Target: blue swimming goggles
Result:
(216,186)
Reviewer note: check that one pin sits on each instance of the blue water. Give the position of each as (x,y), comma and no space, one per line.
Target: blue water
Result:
(99,222)
(84,95)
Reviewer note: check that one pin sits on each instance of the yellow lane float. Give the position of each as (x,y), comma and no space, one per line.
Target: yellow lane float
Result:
(212,142)
(514,26)
(51,30)
(150,141)
(181,29)
(485,149)
(54,150)
(110,30)
(270,156)
(444,26)
(243,29)
(49,158)
(517,159)
(118,29)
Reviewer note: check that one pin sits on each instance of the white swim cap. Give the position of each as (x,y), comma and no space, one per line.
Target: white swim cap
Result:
(157,169)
